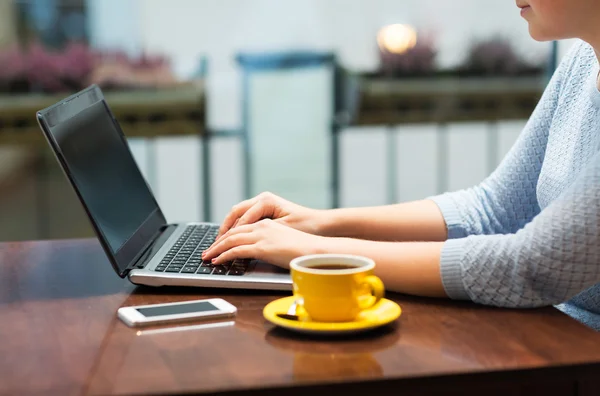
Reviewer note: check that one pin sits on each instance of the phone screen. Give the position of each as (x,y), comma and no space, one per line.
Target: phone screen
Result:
(201,306)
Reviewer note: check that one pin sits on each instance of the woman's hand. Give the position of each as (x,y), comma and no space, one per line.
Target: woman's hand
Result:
(270,206)
(265,240)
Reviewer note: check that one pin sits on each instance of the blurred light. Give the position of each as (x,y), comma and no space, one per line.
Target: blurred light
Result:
(397,38)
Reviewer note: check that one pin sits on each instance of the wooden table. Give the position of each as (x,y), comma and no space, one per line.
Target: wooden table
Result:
(60,335)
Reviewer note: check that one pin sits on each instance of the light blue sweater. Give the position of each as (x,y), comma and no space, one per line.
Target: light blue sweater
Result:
(529,234)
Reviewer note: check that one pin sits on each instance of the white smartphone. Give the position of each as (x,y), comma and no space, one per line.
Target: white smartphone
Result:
(144,315)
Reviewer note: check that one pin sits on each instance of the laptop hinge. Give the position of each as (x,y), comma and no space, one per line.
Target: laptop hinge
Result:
(153,247)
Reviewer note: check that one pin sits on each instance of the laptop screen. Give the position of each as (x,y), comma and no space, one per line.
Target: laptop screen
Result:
(100,166)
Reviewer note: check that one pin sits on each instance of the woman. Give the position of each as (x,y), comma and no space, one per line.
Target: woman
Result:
(527,236)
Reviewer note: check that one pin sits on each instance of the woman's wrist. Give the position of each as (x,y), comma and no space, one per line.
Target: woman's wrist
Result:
(330,245)
(326,222)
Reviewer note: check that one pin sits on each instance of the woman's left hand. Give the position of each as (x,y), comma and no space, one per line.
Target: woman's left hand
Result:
(265,240)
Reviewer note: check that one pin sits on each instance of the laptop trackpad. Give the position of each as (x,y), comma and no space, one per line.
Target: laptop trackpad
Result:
(261,267)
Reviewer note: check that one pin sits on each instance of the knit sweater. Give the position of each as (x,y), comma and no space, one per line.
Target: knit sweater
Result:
(529,234)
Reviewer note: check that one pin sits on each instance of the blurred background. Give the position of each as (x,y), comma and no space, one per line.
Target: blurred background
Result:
(331,103)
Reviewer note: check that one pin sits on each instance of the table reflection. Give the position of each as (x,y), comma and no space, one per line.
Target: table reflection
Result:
(327,357)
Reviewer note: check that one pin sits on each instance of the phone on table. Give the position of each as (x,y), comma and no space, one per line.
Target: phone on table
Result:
(145,315)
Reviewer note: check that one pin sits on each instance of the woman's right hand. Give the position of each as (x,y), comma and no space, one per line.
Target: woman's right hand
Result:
(269,206)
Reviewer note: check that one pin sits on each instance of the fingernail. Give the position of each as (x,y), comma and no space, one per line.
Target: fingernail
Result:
(213,260)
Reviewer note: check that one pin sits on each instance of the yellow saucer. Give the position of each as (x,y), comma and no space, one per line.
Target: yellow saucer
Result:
(382,313)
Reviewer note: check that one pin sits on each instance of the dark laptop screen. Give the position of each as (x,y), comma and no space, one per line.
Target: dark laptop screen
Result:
(105,174)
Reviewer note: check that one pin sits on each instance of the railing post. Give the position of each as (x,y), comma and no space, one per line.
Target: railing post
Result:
(492,145)
(205,139)
(442,152)
(392,163)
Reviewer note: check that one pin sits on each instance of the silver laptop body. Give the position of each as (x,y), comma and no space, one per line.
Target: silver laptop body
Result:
(253,274)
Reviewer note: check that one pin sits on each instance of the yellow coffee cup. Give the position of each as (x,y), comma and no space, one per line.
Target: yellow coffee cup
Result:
(334,287)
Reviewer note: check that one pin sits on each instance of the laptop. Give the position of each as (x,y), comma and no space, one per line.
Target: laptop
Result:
(90,146)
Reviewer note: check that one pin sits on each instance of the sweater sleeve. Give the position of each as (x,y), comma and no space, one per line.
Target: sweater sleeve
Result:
(505,201)
(553,258)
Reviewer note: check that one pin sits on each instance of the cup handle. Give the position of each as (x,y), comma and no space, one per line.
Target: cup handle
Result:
(377,291)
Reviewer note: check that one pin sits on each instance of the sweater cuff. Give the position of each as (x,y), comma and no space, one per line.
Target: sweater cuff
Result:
(451,270)
(451,215)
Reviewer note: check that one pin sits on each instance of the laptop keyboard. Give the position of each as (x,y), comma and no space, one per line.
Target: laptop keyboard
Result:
(185,256)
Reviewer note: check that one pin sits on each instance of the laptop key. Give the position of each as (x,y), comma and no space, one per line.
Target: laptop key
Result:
(219,270)
(173,269)
(160,268)
(188,270)
(195,265)
(236,272)
(204,270)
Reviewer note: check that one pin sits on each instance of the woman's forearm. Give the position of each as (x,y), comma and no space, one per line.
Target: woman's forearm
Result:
(412,221)
(405,267)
